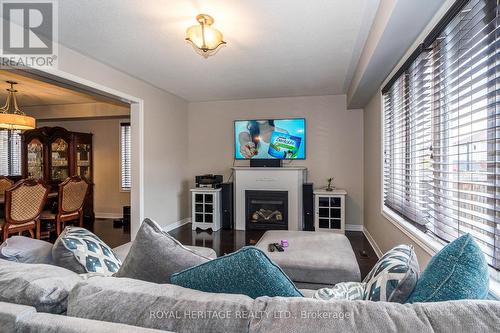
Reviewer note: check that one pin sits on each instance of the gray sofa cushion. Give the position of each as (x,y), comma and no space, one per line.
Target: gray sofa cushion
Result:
(165,307)
(122,251)
(44,287)
(26,250)
(309,315)
(155,255)
(15,318)
(80,251)
(49,323)
(10,313)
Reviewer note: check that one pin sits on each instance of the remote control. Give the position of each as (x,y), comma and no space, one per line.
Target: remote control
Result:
(271,247)
(279,247)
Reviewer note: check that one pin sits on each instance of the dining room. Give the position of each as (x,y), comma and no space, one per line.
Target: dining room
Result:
(64,159)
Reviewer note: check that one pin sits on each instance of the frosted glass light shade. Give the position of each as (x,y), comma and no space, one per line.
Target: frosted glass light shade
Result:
(16,122)
(205,39)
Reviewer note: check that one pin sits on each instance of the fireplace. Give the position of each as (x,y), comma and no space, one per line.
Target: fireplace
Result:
(266,210)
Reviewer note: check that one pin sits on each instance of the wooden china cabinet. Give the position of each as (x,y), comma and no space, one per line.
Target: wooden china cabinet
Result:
(54,154)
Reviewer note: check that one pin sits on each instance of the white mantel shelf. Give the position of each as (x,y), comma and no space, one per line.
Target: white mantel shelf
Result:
(270,169)
(288,179)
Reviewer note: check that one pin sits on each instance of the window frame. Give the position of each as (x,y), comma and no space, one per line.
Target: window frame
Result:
(431,245)
(10,163)
(120,124)
(428,243)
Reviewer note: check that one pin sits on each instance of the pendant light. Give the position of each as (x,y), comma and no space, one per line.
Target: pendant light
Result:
(205,40)
(11,117)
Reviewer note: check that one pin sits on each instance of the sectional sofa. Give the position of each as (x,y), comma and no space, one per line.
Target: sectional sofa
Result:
(46,298)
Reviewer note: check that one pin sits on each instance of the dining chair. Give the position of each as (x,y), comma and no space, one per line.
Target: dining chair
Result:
(24,203)
(5,183)
(72,193)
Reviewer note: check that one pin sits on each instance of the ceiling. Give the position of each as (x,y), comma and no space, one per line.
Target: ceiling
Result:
(34,92)
(275,48)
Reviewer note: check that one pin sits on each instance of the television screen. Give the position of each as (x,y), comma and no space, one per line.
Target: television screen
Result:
(271,138)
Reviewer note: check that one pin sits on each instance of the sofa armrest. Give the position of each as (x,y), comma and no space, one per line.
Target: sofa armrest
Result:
(10,313)
(44,322)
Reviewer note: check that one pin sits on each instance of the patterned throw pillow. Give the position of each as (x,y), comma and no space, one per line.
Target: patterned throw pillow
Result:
(394,276)
(80,251)
(342,291)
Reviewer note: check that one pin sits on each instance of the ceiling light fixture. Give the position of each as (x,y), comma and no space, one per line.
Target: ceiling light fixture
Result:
(205,40)
(11,117)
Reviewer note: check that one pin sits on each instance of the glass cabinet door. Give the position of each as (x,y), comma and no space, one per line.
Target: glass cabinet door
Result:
(59,160)
(83,153)
(204,208)
(35,159)
(329,212)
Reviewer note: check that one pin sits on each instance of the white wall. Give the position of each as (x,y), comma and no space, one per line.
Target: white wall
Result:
(108,197)
(334,139)
(165,122)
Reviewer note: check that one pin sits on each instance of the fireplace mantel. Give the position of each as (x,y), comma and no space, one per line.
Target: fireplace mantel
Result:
(288,179)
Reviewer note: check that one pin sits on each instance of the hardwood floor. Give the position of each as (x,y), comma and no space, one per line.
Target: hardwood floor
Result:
(114,237)
(227,241)
(104,229)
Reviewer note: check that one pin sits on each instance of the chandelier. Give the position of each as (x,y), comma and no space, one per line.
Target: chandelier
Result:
(11,117)
(206,40)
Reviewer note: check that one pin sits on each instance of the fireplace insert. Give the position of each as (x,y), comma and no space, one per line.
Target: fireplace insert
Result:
(266,210)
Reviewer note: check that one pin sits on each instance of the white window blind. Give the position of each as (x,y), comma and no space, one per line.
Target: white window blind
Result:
(125,151)
(442,132)
(10,153)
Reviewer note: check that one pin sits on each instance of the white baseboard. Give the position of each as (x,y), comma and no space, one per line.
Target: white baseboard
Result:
(354,227)
(374,245)
(108,216)
(175,225)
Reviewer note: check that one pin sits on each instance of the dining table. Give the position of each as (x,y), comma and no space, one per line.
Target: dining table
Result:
(50,195)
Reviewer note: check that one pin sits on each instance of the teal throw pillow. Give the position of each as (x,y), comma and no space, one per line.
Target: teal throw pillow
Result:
(248,272)
(459,271)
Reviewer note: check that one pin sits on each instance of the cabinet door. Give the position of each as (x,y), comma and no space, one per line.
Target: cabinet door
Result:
(209,208)
(34,159)
(322,212)
(59,160)
(329,213)
(84,160)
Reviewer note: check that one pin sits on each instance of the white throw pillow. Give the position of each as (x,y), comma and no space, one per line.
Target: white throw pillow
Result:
(342,291)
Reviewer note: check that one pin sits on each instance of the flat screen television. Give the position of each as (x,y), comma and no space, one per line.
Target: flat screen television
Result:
(270,139)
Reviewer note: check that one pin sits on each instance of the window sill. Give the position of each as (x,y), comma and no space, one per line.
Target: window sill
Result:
(428,243)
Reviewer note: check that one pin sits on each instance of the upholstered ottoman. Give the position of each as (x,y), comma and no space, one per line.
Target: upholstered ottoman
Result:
(313,260)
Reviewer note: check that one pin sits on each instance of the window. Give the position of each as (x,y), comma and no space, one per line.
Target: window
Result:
(441,138)
(125,156)
(10,153)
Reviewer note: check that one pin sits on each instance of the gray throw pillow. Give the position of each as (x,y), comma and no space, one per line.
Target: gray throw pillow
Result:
(26,250)
(45,287)
(80,251)
(155,255)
